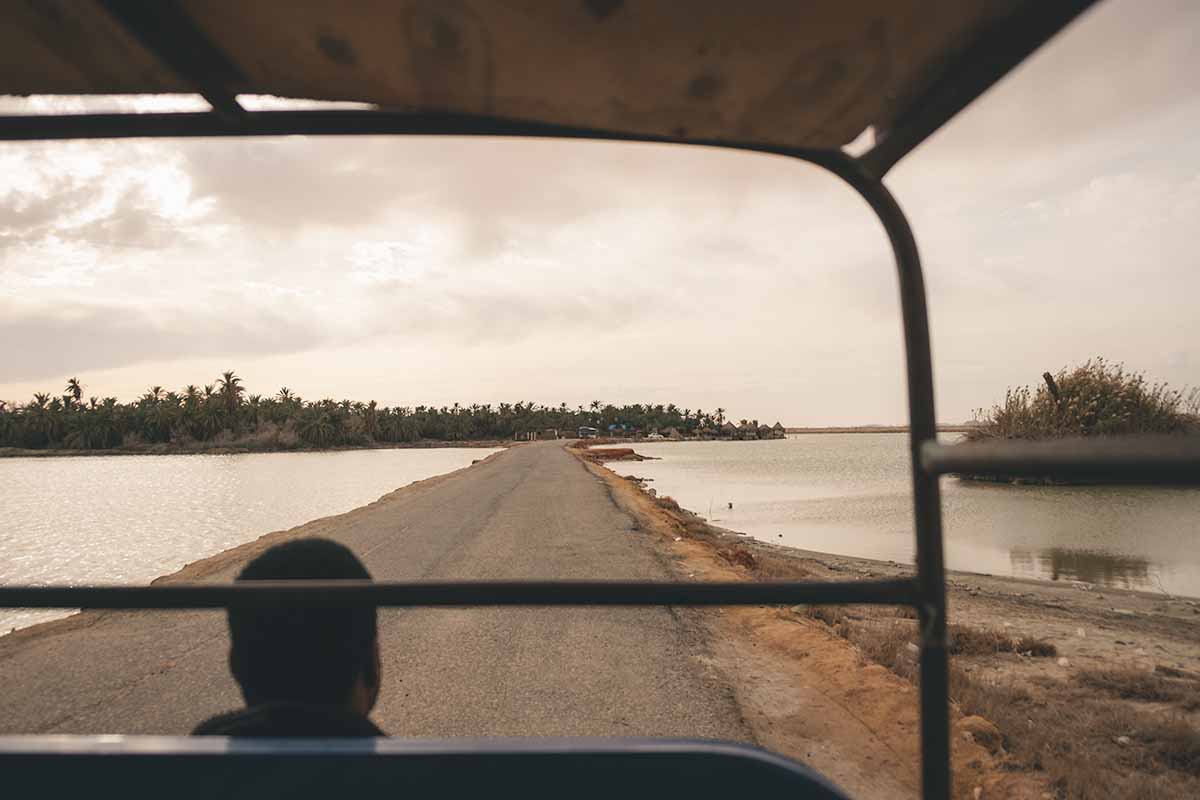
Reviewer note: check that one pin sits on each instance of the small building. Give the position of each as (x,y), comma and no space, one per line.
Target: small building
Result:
(747,432)
(778,431)
(673,434)
(550,433)
(729,431)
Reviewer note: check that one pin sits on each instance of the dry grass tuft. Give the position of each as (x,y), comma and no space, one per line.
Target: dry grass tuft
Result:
(739,556)
(1089,747)
(669,503)
(1130,684)
(1175,742)
(966,641)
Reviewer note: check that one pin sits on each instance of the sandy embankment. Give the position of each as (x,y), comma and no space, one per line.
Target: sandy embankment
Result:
(1073,675)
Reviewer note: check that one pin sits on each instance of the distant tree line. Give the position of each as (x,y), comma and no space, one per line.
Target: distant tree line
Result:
(224,412)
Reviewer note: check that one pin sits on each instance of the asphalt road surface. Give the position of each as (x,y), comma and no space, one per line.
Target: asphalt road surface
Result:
(531,512)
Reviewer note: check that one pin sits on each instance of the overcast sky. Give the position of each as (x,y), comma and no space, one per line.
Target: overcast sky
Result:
(1056,217)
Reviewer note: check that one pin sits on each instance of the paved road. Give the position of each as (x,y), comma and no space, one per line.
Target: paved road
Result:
(531,512)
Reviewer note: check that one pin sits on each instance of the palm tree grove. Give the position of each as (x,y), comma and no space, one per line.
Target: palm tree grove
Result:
(225,414)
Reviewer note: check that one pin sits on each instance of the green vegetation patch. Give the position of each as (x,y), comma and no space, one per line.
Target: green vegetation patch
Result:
(1094,399)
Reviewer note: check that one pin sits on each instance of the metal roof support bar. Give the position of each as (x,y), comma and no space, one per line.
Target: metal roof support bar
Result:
(165,30)
(927,502)
(981,64)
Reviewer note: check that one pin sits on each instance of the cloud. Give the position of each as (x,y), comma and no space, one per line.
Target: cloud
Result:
(78,338)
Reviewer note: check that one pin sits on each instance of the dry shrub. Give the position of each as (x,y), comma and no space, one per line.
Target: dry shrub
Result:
(739,556)
(1175,741)
(773,567)
(966,641)
(1076,740)
(668,503)
(830,615)
(891,645)
(1132,684)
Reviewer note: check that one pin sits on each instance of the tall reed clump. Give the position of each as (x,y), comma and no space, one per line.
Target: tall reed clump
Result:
(1094,399)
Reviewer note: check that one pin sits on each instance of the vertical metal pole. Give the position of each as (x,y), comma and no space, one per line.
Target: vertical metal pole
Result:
(927,502)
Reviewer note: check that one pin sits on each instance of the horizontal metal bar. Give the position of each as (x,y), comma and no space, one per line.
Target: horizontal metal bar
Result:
(344,122)
(343,594)
(1129,459)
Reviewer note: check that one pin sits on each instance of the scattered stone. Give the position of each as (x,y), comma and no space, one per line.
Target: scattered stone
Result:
(1064,662)
(1141,651)
(1122,740)
(1081,633)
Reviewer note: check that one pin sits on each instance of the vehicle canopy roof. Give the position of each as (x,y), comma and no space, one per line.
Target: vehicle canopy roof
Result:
(805,75)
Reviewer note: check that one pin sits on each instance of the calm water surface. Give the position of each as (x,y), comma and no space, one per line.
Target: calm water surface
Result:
(129,519)
(849,494)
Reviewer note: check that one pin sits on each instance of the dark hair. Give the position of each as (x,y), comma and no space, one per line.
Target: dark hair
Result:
(302,654)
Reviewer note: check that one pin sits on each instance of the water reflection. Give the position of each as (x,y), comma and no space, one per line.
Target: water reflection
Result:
(1106,569)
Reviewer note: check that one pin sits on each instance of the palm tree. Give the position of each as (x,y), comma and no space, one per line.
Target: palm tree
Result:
(254,406)
(231,391)
(720,417)
(317,428)
(74,389)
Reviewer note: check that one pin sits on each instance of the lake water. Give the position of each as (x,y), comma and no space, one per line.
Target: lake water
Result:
(130,519)
(849,494)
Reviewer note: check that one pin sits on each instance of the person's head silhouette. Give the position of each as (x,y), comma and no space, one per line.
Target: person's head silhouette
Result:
(303,671)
